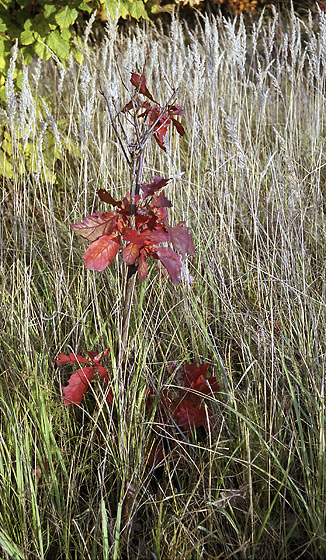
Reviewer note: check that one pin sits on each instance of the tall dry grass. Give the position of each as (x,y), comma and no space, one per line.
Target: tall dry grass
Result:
(248,177)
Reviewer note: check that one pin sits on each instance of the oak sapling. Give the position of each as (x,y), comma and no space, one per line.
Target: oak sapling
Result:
(138,226)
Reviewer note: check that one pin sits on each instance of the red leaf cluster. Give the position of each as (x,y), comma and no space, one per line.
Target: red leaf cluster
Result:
(79,381)
(109,230)
(185,405)
(159,117)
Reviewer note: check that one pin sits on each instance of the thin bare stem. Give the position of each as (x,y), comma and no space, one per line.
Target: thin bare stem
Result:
(114,125)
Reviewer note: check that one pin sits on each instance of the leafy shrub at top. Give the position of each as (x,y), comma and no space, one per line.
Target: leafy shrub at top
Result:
(42,26)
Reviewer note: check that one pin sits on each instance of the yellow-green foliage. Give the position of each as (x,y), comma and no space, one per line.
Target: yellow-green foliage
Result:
(43,27)
(39,27)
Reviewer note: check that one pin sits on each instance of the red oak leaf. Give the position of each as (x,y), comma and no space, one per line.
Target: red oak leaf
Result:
(161,214)
(142,266)
(140,83)
(190,373)
(130,253)
(178,126)
(171,261)
(182,240)
(160,201)
(133,236)
(106,197)
(158,235)
(101,252)
(79,381)
(188,413)
(77,385)
(150,188)
(188,410)
(71,359)
(96,225)
(194,377)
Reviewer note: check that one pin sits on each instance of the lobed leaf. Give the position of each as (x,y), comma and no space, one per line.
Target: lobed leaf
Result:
(101,252)
(150,188)
(160,201)
(182,240)
(96,225)
(171,261)
(71,359)
(77,385)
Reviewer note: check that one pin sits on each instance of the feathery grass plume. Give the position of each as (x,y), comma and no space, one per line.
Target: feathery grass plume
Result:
(250,179)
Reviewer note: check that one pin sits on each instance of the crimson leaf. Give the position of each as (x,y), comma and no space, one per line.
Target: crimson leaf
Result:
(181,239)
(71,359)
(96,225)
(77,385)
(101,252)
(150,188)
(171,261)
(140,83)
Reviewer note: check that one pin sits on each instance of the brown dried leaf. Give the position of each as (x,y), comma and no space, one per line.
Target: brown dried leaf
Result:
(233,497)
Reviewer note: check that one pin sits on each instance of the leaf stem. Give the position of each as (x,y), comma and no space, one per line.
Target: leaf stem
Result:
(114,125)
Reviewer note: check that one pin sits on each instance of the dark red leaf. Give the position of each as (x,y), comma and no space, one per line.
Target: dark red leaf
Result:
(175,110)
(158,235)
(71,359)
(106,197)
(142,266)
(161,145)
(189,374)
(130,253)
(178,126)
(188,414)
(182,240)
(160,201)
(171,261)
(77,385)
(96,225)
(133,236)
(161,129)
(140,83)
(101,252)
(150,188)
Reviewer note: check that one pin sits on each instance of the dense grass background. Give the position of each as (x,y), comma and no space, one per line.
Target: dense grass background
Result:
(248,177)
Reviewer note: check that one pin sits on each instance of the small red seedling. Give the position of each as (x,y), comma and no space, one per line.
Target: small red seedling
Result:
(138,224)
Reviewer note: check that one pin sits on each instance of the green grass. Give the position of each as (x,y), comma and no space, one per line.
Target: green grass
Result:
(248,177)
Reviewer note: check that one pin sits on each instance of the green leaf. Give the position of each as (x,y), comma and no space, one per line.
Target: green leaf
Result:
(59,46)
(85,7)
(49,9)
(77,55)
(27,38)
(66,16)
(137,9)
(2,63)
(42,51)
(40,26)
(28,53)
